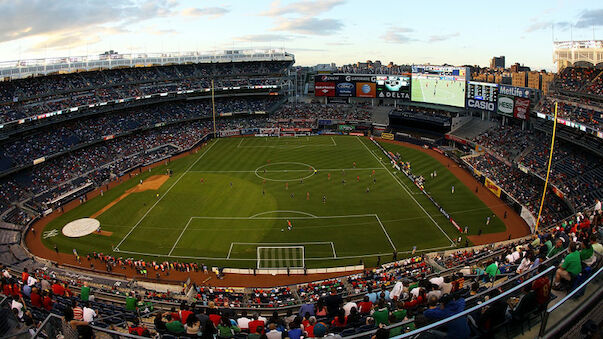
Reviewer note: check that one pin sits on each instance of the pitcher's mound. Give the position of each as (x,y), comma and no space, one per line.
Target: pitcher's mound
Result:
(80,227)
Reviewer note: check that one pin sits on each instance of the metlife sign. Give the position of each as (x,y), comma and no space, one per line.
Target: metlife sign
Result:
(513,91)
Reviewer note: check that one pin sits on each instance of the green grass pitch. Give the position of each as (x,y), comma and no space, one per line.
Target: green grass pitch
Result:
(238,194)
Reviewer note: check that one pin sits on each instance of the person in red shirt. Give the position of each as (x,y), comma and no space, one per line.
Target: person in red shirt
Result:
(35,298)
(339,320)
(253,325)
(136,328)
(310,328)
(365,305)
(47,301)
(24,275)
(214,316)
(184,313)
(542,287)
(58,289)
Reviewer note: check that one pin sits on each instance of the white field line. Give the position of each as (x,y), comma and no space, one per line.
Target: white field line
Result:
(386,234)
(255,259)
(164,194)
(229,250)
(407,191)
(289,217)
(334,253)
(293,170)
(280,211)
(334,143)
(180,236)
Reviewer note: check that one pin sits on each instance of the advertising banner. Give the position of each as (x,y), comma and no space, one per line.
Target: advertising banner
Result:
(393,87)
(505,105)
(493,187)
(345,89)
(325,122)
(324,89)
(482,96)
(229,133)
(522,108)
(513,91)
(365,90)
(387,136)
(345,127)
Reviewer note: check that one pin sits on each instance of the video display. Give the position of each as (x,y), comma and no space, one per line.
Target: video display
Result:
(443,85)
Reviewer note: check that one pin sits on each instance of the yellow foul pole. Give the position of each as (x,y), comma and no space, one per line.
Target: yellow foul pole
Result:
(548,171)
(213,106)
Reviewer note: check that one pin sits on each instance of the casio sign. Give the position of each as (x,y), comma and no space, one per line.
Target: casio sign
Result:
(505,105)
(488,106)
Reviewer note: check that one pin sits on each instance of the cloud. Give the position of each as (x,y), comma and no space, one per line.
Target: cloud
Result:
(72,39)
(306,8)
(442,37)
(21,18)
(264,37)
(398,35)
(207,11)
(312,26)
(590,18)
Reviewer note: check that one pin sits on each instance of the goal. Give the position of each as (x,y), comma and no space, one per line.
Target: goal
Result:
(280,257)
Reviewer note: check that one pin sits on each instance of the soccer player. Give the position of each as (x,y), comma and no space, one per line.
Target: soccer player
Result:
(289,226)
(307,195)
(358,178)
(354,164)
(324,199)
(452,189)
(368,189)
(488,220)
(287,186)
(373,174)
(329,175)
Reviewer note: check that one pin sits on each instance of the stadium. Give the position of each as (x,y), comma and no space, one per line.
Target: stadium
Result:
(236,194)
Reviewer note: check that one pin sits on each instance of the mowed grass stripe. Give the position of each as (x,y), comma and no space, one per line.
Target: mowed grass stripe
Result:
(215,197)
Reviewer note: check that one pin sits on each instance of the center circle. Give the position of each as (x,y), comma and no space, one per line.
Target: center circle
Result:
(285,171)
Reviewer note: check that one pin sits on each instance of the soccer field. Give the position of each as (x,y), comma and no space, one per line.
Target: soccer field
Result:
(231,203)
(443,92)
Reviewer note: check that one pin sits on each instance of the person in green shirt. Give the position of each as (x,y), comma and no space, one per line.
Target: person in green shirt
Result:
(226,329)
(558,248)
(571,266)
(400,312)
(492,270)
(174,326)
(396,330)
(381,314)
(85,292)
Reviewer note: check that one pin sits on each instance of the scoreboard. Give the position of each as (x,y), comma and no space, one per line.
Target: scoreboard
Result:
(482,95)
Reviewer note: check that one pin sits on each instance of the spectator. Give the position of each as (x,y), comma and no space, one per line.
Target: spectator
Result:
(243,321)
(457,328)
(570,267)
(226,329)
(174,326)
(72,329)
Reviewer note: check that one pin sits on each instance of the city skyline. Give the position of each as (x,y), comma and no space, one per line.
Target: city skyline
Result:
(317,32)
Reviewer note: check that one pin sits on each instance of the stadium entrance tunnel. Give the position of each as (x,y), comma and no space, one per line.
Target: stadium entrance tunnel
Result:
(285,171)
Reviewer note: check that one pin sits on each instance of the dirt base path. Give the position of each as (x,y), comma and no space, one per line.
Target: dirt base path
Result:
(152,183)
(516,226)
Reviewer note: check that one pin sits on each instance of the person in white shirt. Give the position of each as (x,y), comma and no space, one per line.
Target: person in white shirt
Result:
(6,274)
(348,307)
(437,281)
(89,313)
(273,333)
(18,305)
(525,264)
(396,291)
(243,321)
(31,281)
(597,205)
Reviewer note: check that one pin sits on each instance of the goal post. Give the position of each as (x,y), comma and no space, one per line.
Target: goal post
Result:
(274,257)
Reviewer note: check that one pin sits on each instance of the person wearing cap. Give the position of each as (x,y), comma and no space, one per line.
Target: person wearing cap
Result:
(320,330)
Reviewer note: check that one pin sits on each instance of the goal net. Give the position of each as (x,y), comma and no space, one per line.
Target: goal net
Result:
(280,256)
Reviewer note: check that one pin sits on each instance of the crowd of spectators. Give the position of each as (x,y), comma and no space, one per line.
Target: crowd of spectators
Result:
(33,96)
(506,141)
(576,79)
(574,110)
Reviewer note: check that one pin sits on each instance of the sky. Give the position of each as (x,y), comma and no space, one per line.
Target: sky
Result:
(339,31)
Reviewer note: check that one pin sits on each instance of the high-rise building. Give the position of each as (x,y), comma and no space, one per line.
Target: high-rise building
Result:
(497,62)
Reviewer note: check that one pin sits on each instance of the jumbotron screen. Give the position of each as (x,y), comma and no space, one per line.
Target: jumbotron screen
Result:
(443,85)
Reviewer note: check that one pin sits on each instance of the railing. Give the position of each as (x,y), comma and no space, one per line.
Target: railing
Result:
(576,302)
